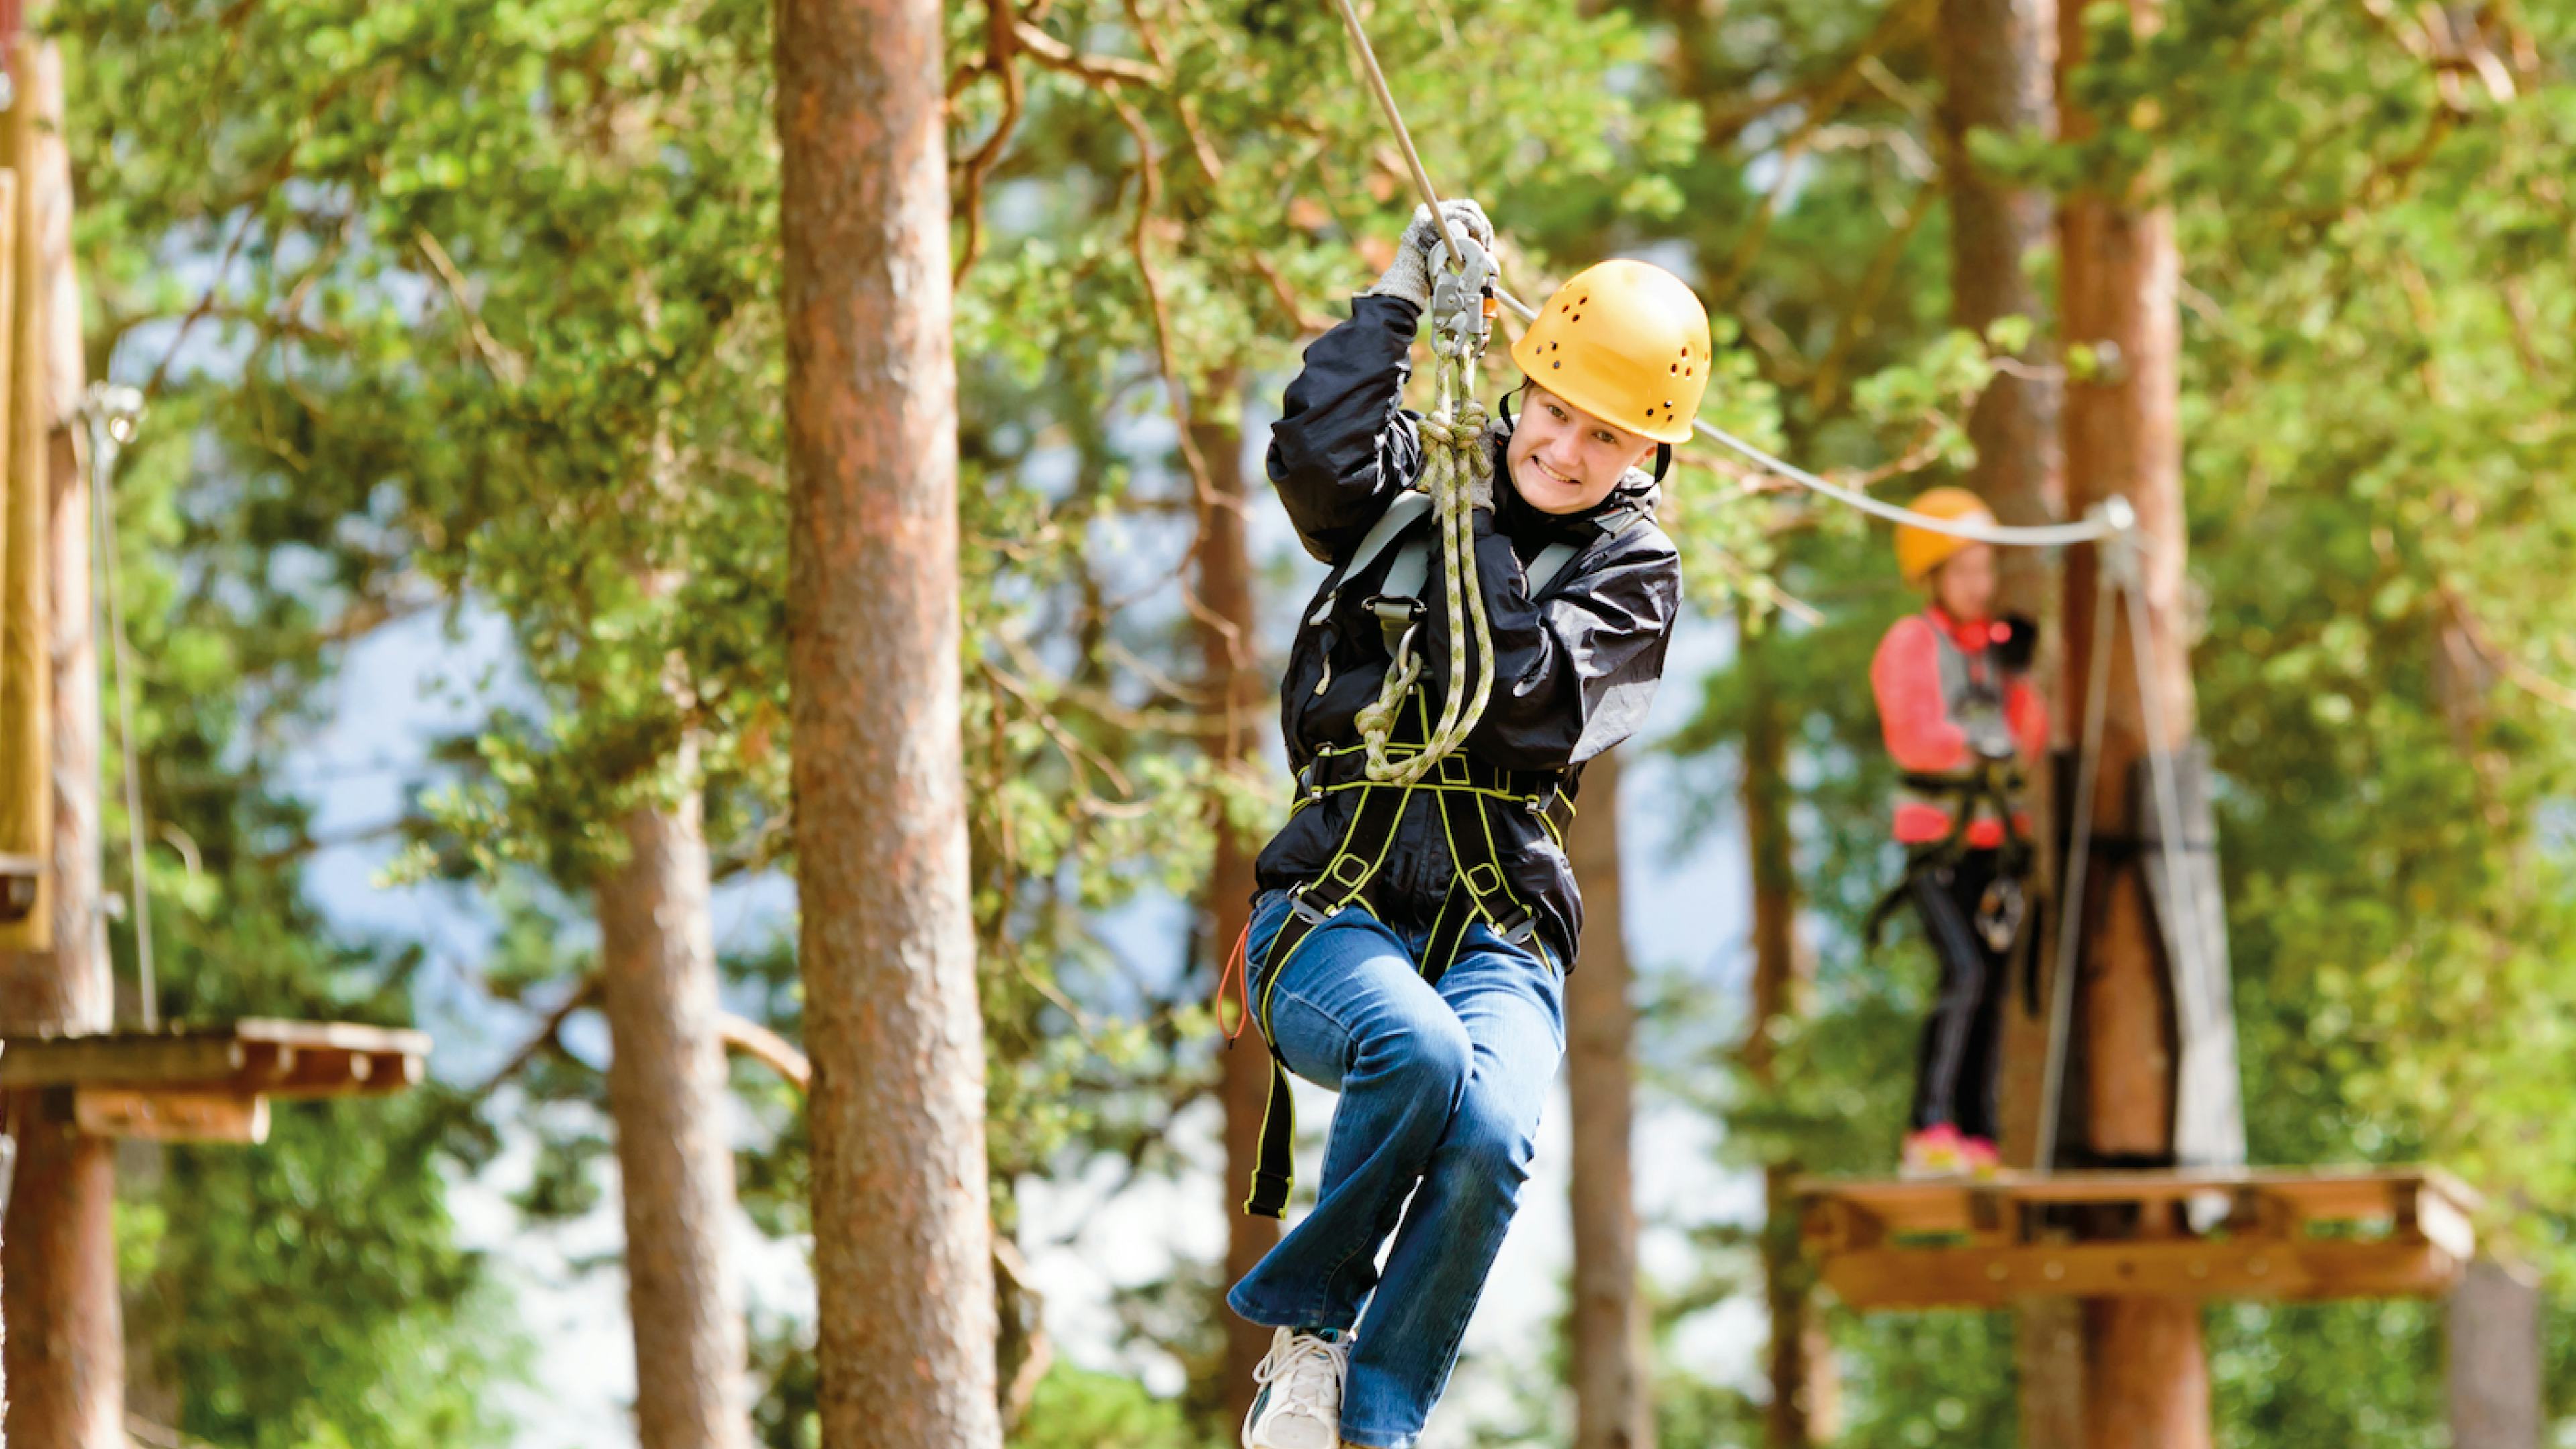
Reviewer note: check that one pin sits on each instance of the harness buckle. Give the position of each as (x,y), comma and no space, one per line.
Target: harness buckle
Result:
(1304,909)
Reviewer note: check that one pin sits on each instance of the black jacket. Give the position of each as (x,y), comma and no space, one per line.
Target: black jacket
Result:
(1577,665)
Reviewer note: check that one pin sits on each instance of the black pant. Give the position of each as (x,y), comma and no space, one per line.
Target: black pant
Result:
(1954,1080)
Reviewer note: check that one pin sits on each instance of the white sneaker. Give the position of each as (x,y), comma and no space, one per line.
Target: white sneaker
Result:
(1300,1403)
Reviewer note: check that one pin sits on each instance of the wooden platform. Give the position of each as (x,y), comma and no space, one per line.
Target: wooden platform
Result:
(2279,1233)
(208,1083)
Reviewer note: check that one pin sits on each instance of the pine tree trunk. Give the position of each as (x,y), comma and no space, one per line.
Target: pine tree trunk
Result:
(1805,1405)
(902,1209)
(1613,1365)
(2498,1370)
(2146,1370)
(65,1348)
(666,1086)
(1229,664)
(1997,60)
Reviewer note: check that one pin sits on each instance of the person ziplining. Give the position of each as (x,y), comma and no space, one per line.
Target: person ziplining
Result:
(1960,717)
(1416,914)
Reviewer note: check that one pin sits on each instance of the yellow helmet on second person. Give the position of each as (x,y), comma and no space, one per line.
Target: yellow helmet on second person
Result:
(1920,550)
(1627,342)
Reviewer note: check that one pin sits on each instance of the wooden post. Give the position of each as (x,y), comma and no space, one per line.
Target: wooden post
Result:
(1613,1369)
(1997,60)
(66,1343)
(2146,1371)
(26,681)
(2496,1366)
(1229,664)
(902,1232)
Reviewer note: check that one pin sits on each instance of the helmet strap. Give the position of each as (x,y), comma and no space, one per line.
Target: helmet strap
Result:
(1663,460)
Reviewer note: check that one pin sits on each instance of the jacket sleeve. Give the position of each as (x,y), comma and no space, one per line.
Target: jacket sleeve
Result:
(1576,672)
(1344,442)
(1905,676)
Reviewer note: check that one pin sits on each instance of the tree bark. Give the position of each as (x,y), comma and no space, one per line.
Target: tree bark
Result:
(65,1350)
(2146,1369)
(1613,1365)
(666,1089)
(1805,1405)
(1997,60)
(2497,1367)
(1230,667)
(902,1227)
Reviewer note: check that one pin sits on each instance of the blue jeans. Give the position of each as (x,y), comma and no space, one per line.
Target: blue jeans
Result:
(1439,1086)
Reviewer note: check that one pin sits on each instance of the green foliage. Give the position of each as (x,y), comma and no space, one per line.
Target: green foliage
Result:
(472,307)
(1079,1409)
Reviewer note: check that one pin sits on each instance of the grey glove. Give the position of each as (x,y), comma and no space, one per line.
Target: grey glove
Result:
(1422,252)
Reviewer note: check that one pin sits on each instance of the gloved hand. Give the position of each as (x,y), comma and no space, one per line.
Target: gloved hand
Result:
(2016,639)
(1421,251)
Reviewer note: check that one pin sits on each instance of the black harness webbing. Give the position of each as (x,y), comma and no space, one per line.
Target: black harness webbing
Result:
(1465,792)
(1991,784)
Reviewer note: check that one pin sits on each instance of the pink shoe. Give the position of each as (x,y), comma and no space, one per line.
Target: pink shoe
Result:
(1982,1160)
(1936,1151)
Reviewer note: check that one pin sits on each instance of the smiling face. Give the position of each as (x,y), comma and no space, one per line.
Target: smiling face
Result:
(1964,586)
(1565,460)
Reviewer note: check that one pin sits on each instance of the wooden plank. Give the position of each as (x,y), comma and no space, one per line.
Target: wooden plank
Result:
(1959,1205)
(345,1035)
(288,1059)
(119,1061)
(170,1116)
(1901,1278)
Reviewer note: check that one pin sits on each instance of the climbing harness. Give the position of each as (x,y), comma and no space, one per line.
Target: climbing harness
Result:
(1388,772)
(1465,792)
(1972,693)
(1987,787)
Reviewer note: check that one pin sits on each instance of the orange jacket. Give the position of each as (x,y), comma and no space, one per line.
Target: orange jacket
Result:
(1925,718)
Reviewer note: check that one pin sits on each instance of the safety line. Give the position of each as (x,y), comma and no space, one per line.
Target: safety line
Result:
(2069,915)
(2086,530)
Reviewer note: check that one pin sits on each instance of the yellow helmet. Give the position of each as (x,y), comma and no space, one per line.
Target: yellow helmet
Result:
(1626,342)
(1919,550)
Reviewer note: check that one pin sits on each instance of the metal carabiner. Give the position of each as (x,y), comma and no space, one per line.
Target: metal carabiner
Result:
(1463,301)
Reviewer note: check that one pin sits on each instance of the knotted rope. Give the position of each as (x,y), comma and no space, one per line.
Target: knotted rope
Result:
(1457,470)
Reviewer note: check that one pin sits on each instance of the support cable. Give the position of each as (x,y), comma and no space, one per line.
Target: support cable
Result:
(113,412)
(2088,530)
(2070,901)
